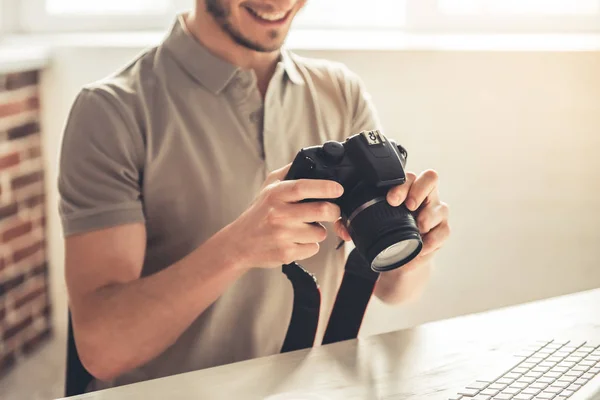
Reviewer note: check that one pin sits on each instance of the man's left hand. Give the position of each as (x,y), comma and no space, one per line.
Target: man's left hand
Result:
(420,194)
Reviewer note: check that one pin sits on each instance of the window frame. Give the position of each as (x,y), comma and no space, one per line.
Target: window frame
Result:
(421,16)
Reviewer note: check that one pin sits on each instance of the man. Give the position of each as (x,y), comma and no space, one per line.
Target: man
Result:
(176,231)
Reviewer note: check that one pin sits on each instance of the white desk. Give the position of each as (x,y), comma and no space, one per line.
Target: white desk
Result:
(429,362)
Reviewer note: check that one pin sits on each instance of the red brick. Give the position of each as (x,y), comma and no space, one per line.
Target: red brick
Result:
(17,328)
(20,106)
(27,179)
(33,343)
(9,160)
(21,79)
(33,201)
(25,252)
(34,152)
(29,295)
(6,362)
(11,283)
(27,129)
(16,231)
(41,269)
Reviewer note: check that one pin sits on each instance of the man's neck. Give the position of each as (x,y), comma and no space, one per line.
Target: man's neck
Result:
(210,34)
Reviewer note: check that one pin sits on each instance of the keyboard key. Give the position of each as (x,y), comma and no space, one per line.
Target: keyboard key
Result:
(455,398)
(593,358)
(581,368)
(490,392)
(497,386)
(574,387)
(531,391)
(542,396)
(547,394)
(480,397)
(554,358)
(561,370)
(520,370)
(548,364)
(553,389)
(478,385)
(523,396)
(554,375)
(559,384)
(567,393)
(539,385)
(589,349)
(469,392)
(503,396)
(526,380)
(588,376)
(545,379)
(536,359)
(594,370)
(527,364)
(573,373)
(518,385)
(581,381)
(512,375)
(511,390)
(587,363)
(532,374)
(505,381)
(540,369)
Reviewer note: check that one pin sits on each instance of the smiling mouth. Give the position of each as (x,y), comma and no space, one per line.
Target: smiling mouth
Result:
(268,17)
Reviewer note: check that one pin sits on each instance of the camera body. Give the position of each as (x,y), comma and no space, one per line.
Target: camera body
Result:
(367,165)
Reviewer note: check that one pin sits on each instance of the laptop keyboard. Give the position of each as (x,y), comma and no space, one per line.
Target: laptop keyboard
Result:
(548,370)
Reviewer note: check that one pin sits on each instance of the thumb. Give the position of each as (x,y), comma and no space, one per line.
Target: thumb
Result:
(277,175)
(341,230)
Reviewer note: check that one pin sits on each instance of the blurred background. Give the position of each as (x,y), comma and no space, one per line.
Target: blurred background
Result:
(501,97)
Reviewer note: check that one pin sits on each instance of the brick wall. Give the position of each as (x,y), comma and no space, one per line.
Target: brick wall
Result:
(24,299)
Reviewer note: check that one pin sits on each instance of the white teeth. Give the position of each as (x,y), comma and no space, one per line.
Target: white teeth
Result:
(269,16)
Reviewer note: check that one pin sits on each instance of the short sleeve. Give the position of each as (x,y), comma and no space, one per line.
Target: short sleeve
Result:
(100,166)
(364,114)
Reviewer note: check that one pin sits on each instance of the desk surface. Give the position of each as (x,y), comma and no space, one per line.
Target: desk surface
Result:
(432,361)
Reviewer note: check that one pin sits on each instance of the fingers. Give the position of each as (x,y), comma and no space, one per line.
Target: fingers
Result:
(425,185)
(435,238)
(304,251)
(308,233)
(431,216)
(279,174)
(321,211)
(397,194)
(341,231)
(293,191)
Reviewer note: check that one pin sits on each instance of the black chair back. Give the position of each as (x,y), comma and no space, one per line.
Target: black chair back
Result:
(77,377)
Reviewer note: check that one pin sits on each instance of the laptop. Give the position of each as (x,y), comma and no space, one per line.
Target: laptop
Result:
(548,370)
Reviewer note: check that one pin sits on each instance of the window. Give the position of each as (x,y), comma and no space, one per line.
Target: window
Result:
(106,7)
(334,14)
(411,15)
(523,16)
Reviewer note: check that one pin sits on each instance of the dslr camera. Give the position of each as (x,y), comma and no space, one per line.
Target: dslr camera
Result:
(367,165)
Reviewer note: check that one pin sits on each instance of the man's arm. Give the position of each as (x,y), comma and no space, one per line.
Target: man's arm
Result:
(121,321)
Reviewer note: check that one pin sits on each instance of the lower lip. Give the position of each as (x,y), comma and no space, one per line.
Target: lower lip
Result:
(268,23)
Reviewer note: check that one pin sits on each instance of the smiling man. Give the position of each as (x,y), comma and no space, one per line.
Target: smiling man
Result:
(175,216)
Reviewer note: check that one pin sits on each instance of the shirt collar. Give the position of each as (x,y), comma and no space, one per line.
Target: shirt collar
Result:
(211,71)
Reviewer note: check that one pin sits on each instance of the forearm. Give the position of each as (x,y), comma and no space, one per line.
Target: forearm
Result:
(123,326)
(405,283)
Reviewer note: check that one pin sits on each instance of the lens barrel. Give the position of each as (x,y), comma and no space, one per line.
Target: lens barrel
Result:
(379,228)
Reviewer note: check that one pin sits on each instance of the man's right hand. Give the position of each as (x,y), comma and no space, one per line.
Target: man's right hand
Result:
(276,229)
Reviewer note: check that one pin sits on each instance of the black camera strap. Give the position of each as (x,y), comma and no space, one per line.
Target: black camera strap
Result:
(348,311)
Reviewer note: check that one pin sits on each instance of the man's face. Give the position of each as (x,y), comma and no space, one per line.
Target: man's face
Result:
(260,25)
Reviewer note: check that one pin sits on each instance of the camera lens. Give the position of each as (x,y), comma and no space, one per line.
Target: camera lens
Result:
(386,236)
(395,253)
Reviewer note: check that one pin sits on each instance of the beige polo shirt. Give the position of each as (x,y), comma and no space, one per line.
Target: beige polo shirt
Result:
(181,141)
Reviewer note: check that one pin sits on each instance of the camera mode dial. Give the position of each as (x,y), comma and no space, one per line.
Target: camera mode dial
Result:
(333,152)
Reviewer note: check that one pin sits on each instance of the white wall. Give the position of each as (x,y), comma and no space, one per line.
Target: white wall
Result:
(514,136)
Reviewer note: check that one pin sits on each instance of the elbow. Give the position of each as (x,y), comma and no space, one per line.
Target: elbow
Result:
(98,354)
